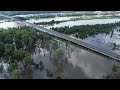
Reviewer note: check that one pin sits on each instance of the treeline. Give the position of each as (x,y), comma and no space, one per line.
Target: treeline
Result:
(73,14)
(40,16)
(52,22)
(58,15)
(94,17)
(84,31)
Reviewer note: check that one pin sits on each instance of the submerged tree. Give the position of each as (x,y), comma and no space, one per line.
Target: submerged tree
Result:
(16,74)
(1,49)
(59,53)
(41,65)
(49,73)
(9,50)
(1,68)
(115,68)
(28,62)
(19,55)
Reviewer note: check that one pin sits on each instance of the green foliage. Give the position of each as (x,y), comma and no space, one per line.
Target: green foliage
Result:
(115,68)
(55,45)
(16,74)
(1,49)
(19,55)
(84,31)
(9,49)
(28,59)
(14,46)
(1,68)
(59,53)
(18,43)
(59,69)
(49,23)
(12,66)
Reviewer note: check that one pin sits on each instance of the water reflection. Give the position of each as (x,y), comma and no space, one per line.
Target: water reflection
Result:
(76,63)
(69,23)
(110,42)
(84,22)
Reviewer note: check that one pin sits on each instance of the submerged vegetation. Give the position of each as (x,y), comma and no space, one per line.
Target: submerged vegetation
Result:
(75,15)
(40,16)
(94,17)
(15,47)
(14,44)
(19,45)
(84,31)
(52,22)
(115,74)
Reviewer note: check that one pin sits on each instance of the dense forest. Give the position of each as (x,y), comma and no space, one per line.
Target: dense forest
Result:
(17,45)
(14,44)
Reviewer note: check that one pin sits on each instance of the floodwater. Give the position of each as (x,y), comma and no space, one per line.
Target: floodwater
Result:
(63,24)
(6,25)
(85,22)
(109,42)
(49,19)
(78,63)
(73,23)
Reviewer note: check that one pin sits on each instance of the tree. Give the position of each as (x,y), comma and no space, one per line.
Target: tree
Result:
(1,49)
(28,61)
(115,68)
(55,45)
(9,50)
(49,73)
(41,64)
(18,43)
(16,74)
(59,53)
(8,38)
(19,55)
(12,66)
(1,68)
(83,31)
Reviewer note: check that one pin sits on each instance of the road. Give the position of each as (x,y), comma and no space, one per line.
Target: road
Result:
(73,40)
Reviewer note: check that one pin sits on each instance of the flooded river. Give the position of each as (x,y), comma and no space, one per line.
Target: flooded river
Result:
(63,24)
(78,63)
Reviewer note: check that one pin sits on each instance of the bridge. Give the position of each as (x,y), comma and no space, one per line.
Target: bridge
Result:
(70,39)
